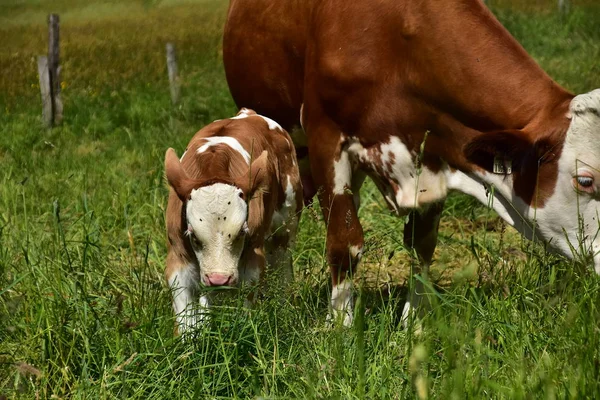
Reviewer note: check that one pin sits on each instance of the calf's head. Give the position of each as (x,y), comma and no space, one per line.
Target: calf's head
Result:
(556,182)
(216,215)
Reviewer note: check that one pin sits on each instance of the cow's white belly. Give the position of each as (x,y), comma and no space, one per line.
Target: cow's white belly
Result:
(403,183)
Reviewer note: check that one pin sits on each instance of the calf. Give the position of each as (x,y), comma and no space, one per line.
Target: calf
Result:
(235,195)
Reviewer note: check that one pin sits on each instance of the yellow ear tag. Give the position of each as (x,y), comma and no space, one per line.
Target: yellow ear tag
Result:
(502,166)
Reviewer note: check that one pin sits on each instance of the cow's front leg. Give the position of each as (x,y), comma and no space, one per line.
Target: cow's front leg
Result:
(420,235)
(183,281)
(332,170)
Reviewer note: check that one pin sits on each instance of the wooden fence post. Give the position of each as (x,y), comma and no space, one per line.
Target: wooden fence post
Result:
(42,63)
(564,6)
(173,73)
(54,68)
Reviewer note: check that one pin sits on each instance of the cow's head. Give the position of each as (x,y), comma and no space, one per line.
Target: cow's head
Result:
(575,204)
(216,216)
(557,189)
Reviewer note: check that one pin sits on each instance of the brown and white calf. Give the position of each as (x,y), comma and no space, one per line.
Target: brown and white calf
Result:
(424,97)
(235,197)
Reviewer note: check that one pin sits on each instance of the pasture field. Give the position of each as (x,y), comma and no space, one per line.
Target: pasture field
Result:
(84,311)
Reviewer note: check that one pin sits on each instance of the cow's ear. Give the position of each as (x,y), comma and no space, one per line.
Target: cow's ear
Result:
(257,177)
(176,176)
(511,147)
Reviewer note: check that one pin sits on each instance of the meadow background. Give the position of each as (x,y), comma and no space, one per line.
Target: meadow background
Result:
(84,311)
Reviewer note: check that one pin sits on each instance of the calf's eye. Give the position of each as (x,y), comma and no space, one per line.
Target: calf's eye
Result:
(195,242)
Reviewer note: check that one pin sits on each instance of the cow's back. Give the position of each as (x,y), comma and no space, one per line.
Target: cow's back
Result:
(263,52)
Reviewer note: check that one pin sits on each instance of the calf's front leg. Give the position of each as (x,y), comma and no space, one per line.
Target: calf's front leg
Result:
(183,281)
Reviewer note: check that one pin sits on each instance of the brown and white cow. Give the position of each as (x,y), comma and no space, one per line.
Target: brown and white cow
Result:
(424,97)
(234,196)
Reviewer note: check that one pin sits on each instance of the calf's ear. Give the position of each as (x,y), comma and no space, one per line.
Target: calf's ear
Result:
(176,176)
(511,146)
(257,178)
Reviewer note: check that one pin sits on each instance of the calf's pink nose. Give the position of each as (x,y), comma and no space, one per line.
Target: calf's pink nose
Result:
(217,280)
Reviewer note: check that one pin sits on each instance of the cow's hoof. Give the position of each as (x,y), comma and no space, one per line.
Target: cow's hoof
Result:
(410,319)
(337,317)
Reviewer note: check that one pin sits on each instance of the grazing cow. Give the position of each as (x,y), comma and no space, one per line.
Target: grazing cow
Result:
(423,97)
(234,195)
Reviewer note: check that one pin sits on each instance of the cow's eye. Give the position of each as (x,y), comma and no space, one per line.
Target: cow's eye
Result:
(585,181)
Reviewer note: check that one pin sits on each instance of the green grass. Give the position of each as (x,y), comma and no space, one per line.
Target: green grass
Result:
(84,311)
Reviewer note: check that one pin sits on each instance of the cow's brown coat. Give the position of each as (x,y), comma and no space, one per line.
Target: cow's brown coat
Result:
(369,70)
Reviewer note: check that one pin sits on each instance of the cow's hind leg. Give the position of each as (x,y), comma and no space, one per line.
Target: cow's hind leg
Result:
(420,236)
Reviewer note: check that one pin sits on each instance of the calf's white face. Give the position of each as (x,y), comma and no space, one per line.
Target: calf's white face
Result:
(570,219)
(216,217)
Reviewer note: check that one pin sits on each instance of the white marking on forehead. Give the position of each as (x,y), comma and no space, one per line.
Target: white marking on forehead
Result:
(272,124)
(229,141)
(216,200)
